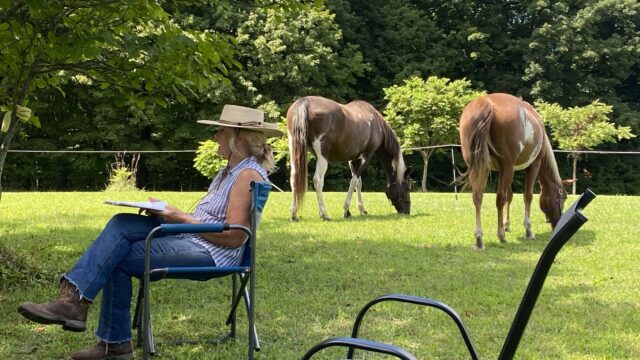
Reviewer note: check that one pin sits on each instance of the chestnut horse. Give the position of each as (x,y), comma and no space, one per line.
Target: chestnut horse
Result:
(335,132)
(503,133)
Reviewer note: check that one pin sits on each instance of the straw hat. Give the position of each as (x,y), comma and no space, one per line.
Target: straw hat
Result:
(244,118)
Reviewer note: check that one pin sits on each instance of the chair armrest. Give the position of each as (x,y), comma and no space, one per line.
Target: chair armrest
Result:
(417,300)
(192,228)
(360,344)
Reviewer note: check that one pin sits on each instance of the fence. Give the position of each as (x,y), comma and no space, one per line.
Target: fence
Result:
(452,153)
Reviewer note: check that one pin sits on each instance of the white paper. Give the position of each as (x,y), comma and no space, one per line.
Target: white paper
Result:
(155,205)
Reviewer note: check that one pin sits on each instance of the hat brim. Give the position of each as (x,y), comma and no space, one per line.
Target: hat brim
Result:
(270,130)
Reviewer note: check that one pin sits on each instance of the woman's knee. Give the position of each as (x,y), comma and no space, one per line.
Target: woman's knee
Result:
(123,219)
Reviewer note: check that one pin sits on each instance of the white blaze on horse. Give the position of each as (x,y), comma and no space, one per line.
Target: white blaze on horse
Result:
(503,133)
(353,132)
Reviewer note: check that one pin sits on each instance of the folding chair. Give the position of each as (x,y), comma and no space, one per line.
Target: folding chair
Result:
(245,272)
(567,226)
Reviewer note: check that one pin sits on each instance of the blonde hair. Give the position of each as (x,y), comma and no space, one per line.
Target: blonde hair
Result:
(256,146)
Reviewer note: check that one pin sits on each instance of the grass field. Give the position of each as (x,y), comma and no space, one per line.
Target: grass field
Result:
(314,276)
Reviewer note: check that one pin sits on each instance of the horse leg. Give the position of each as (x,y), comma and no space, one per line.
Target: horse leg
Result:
(359,192)
(294,210)
(529,181)
(352,186)
(294,203)
(502,194)
(318,182)
(477,202)
(507,221)
(356,170)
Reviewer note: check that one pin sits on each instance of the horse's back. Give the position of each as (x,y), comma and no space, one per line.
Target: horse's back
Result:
(344,131)
(516,132)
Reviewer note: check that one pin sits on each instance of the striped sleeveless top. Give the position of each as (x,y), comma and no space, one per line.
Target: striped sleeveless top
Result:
(213,209)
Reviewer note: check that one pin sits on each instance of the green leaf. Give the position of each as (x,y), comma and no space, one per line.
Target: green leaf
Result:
(35,120)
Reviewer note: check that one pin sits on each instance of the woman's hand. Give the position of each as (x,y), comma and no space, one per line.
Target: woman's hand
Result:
(170,214)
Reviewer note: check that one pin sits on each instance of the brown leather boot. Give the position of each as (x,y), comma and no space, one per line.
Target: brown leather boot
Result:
(69,310)
(103,351)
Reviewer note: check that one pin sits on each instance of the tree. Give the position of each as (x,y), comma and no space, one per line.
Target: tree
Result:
(386,31)
(131,49)
(291,54)
(582,50)
(285,54)
(425,114)
(581,128)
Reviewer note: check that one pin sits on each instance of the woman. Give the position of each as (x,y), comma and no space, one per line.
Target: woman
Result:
(117,254)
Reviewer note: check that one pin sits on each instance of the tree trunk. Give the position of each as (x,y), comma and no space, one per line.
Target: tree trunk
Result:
(426,154)
(6,141)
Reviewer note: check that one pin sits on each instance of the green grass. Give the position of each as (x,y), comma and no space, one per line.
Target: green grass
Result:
(314,276)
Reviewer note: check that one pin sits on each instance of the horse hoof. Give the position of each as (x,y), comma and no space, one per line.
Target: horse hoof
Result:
(293,219)
(478,247)
(326,218)
(347,214)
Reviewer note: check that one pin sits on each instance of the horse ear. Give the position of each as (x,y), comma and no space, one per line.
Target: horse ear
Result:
(567,182)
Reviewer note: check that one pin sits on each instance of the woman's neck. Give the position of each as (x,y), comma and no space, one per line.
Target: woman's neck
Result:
(235,160)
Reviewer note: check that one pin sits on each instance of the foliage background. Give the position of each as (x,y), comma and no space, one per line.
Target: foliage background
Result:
(565,52)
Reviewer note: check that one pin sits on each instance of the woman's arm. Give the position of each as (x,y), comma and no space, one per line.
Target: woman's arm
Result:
(238,212)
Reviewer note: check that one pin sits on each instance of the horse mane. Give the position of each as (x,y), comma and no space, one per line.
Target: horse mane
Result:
(390,141)
(549,161)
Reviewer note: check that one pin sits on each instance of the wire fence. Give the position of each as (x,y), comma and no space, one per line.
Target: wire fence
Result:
(451,147)
(193,151)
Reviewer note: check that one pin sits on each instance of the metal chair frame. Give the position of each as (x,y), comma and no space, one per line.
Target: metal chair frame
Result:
(245,272)
(567,226)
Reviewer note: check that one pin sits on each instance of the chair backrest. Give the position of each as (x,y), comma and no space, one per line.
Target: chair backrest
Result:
(567,226)
(259,195)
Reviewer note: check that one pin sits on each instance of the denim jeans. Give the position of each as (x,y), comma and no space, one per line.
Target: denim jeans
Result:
(115,256)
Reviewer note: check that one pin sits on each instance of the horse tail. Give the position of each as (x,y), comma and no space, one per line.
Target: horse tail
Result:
(480,148)
(298,148)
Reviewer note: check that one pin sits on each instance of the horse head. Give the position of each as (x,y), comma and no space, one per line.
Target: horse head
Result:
(552,202)
(398,193)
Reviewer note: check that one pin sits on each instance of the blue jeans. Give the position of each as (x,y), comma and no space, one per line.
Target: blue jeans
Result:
(115,256)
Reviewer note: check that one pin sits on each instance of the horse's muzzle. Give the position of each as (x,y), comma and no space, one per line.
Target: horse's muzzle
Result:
(406,211)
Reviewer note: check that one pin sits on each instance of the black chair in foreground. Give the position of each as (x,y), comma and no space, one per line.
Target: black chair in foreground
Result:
(245,272)
(567,226)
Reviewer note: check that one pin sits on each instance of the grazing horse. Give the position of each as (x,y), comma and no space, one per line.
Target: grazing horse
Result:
(503,133)
(335,132)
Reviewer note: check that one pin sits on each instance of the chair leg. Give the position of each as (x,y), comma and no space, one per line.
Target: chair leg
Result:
(137,323)
(152,346)
(237,294)
(231,319)
(137,317)
(148,346)
(243,293)
(253,333)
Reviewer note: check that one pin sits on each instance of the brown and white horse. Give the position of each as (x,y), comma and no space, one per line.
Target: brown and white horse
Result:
(503,133)
(335,132)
